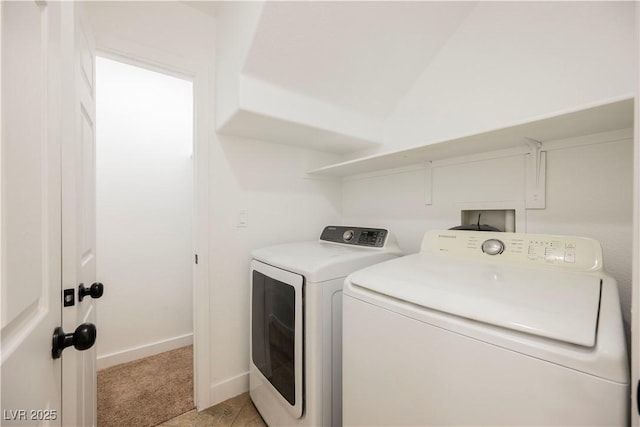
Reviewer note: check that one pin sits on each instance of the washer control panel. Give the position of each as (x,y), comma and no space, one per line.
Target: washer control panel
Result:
(359,236)
(567,252)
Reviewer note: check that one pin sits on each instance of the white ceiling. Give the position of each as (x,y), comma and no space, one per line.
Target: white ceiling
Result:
(363,56)
(358,56)
(167,26)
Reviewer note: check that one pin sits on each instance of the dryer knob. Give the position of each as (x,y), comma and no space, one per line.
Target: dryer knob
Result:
(348,235)
(492,247)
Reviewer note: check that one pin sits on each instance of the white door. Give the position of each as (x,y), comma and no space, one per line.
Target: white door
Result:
(31,232)
(79,393)
(48,212)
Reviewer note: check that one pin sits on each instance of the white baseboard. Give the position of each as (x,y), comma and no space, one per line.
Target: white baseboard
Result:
(228,388)
(146,350)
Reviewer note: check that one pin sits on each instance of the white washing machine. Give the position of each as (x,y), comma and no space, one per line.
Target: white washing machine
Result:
(295,370)
(484,328)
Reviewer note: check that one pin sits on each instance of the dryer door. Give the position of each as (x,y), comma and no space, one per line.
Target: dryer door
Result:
(277,332)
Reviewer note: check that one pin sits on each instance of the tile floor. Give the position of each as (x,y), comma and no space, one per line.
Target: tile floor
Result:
(237,411)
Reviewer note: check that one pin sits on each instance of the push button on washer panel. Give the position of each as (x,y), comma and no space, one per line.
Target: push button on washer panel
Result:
(570,256)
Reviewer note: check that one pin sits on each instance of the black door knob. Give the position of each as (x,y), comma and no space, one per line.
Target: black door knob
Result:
(82,338)
(95,291)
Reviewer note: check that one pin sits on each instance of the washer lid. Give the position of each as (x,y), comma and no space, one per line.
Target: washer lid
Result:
(549,303)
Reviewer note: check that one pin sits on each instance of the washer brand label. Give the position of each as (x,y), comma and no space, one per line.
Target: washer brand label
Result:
(447,236)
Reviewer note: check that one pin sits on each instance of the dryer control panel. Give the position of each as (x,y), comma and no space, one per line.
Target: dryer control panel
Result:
(359,236)
(565,252)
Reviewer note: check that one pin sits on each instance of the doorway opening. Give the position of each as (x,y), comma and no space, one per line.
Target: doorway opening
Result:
(144,223)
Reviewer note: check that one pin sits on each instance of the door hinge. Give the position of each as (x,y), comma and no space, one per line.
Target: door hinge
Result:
(196,258)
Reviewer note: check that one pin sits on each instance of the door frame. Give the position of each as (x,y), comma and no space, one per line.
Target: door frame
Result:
(145,57)
(635,284)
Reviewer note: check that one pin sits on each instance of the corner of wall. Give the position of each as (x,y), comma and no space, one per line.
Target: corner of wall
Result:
(236,26)
(229,388)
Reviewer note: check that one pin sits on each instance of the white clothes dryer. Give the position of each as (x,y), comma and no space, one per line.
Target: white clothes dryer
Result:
(296,322)
(484,328)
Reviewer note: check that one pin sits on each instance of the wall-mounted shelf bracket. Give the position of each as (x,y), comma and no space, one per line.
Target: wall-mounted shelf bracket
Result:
(535,175)
(428,183)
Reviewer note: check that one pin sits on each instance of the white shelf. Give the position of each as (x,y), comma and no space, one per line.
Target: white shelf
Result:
(253,125)
(593,119)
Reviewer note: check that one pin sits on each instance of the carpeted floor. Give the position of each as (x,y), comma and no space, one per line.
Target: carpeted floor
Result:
(148,391)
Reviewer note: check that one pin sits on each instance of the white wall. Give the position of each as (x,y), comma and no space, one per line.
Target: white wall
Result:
(589,193)
(144,211)
(510,62)
(268,180)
